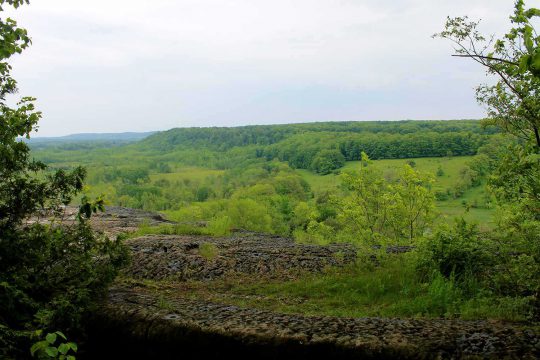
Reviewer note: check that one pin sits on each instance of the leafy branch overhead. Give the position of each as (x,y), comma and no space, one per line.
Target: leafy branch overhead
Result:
(513,103)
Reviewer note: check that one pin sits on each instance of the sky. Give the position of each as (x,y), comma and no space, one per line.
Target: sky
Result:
(144,65)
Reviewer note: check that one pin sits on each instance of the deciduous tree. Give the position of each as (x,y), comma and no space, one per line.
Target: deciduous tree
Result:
(513,102)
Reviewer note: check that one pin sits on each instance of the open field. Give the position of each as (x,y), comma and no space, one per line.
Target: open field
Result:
(471,205)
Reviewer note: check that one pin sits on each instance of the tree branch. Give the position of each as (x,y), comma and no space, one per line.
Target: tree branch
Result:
(486,58)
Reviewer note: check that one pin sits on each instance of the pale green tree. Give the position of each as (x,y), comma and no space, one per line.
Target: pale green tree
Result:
(366,211)
(413,203)
(378,210)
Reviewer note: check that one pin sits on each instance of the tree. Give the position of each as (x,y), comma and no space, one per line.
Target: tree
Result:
(365,212)
(414,203)
(50,274)
(378,209)
(249,215)
(513,103)
(327,160)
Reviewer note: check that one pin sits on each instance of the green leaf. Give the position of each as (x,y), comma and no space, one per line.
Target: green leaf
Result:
(63,348)
(532,12)
(73,346)
(51,338)
(535,62)
(61,334)
(527,38)
(51,351)
(71,357)
(38,346)
(524,63)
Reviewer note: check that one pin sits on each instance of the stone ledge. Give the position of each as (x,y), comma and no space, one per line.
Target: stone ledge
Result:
(187,328)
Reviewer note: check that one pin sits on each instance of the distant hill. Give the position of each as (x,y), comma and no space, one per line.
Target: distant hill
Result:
(315,146)
(87,140)
(307,144)
(125,136)
(226,137)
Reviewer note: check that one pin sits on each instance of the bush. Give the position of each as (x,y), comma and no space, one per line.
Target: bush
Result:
(248,214)
(208,251)
(327,160)
(51,277)
(455,252)
(441,195)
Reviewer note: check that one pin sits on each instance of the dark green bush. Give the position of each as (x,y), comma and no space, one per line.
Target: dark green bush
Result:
(456,252)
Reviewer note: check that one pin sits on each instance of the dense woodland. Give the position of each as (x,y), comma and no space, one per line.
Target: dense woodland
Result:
(147,175)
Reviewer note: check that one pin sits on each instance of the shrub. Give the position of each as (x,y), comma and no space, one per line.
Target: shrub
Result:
(208,251)
(455,252)
(327,160)
(441,195)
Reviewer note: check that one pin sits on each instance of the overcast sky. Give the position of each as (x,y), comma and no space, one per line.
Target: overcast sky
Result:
(140,65)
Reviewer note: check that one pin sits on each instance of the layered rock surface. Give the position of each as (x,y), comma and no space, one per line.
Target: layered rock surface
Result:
(159,257)
(164,322)
(176,327)
(113,221)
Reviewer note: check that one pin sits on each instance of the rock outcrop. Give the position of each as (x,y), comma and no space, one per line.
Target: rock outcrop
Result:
(148,325)
(172,257)
(162,322)
(115,220)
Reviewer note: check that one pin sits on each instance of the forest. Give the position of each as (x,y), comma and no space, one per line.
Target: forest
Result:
(442,217)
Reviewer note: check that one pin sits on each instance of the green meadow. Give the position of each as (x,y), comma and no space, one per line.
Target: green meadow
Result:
(472,205)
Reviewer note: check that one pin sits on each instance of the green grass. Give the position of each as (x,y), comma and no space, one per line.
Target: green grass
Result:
(450,166)
(208,251)
(393,289)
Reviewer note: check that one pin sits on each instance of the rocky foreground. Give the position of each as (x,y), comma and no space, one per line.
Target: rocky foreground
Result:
(170,326)
(160,320)
(179,258)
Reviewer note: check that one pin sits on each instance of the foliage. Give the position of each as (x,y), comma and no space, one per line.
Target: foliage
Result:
(516,185)
(327,160)
(248,214)
(303,150)
(455,252)
(222,139)
(513,103)
(414,203)
(50,274)
(377,209)
(47,348)
(514,106)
